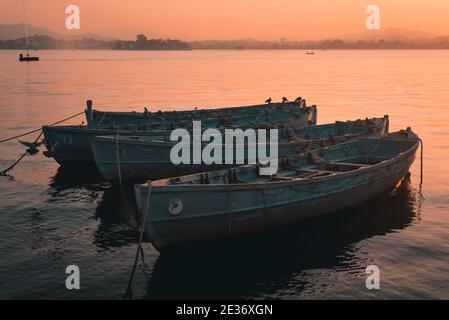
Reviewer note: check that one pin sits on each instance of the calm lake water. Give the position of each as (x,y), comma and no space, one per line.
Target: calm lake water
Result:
(51,218)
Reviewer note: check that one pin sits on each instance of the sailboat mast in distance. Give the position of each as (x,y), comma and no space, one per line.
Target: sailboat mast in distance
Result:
(21,57)
(26,27)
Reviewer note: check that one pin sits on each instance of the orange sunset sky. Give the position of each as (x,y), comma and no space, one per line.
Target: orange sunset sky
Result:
(230,19)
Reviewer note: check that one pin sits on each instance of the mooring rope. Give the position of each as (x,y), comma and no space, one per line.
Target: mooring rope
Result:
(422,163)
(379,140)
(101,121)
(144,214)
(40,129)
(119,169)
(4,172)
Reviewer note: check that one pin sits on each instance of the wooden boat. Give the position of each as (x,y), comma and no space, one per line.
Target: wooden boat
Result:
(71,144)
(97,118)
(287,113)
(239,200)
(147,157)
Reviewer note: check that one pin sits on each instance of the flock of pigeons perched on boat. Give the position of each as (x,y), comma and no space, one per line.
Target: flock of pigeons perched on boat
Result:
(322,168)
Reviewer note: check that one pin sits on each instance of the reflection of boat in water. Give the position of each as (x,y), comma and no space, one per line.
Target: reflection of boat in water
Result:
(254,266)
(117,219)
(69,179)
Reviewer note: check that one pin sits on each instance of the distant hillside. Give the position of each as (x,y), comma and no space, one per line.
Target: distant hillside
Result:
(391,34)
(15,31)
(12,37)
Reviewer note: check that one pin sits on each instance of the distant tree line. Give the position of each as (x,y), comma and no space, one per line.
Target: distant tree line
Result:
(439,43)
(141,43)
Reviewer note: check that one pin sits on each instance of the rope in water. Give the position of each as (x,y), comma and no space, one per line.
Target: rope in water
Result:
(144,214)
(40,129)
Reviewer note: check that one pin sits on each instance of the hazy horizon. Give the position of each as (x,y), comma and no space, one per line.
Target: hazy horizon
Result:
(229,20)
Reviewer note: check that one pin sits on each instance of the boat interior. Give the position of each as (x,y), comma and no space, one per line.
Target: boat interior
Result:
(334,132)
(349,156)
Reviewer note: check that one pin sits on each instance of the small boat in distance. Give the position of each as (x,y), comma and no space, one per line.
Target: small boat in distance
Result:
(26,58)
(310,52)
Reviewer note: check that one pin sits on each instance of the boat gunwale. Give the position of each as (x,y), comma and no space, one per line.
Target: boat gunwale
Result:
(212,109)
(128,140)
(264,206)
(92,131)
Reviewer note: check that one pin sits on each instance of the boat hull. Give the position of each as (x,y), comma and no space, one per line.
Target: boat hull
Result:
(27,59)
(248,208)
(140,160)
(70,145)
(121,118)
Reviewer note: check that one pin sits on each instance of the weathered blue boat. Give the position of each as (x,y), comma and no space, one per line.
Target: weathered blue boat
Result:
(145,157)
(240,200)
(210,118)
(71,144)
(97,118)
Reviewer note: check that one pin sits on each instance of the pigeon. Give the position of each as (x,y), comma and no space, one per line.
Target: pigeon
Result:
(32,146)
(299,99)
(268,100)
(284,100)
